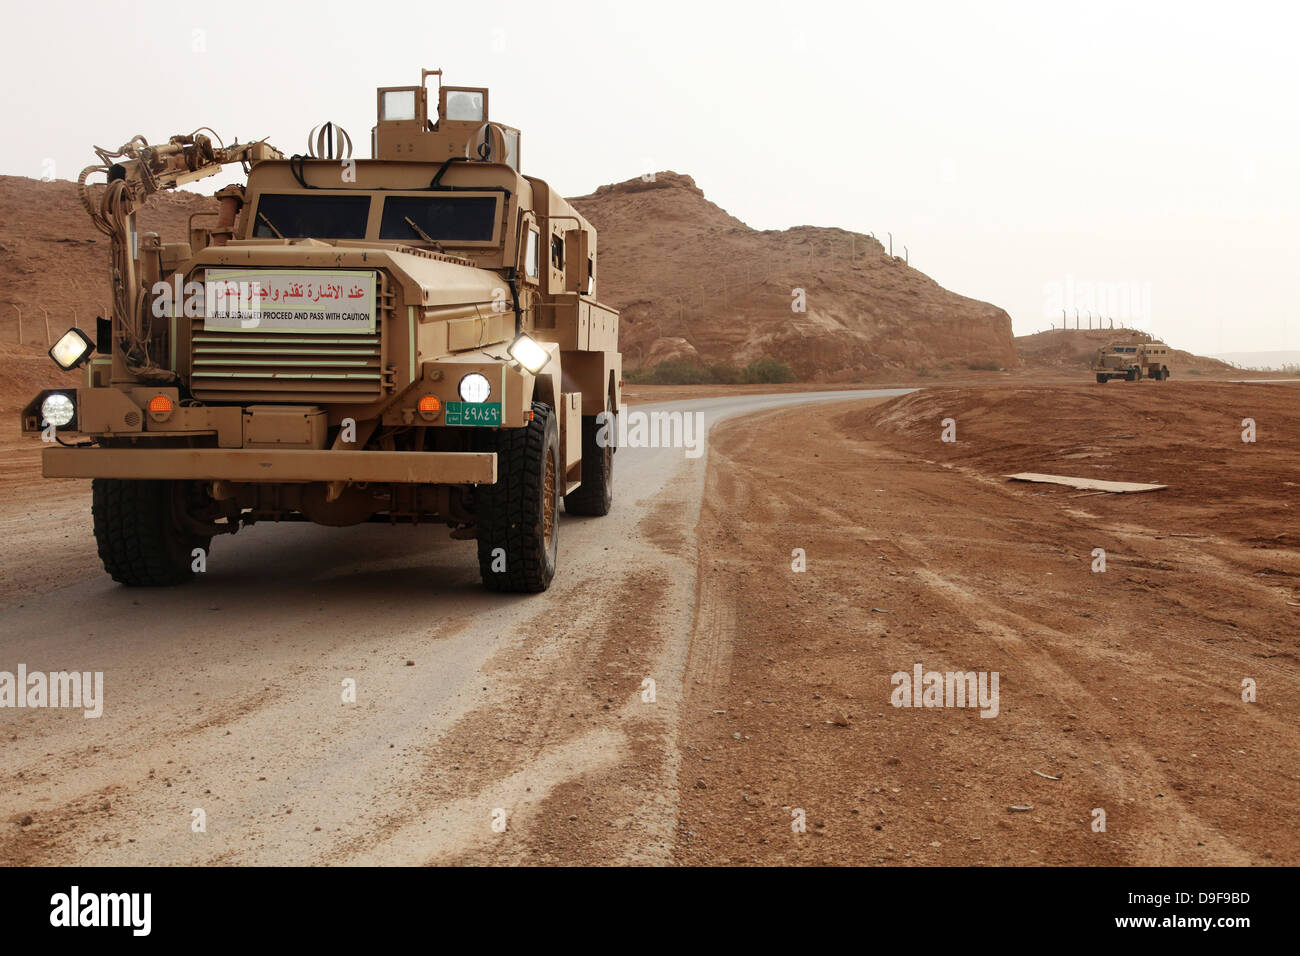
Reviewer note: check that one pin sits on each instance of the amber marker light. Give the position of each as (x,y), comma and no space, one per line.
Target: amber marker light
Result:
(429,407)
(160,408)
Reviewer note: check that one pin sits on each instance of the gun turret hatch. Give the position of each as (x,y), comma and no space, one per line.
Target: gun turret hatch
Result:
(460,126)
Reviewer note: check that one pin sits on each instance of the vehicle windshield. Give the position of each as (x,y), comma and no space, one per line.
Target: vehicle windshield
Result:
(439,218)
(311,217)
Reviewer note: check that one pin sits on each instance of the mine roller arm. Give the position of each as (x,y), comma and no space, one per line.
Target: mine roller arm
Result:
(146,169)
(134,172)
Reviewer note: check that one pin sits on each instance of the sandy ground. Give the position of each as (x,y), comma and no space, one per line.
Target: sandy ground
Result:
(1125,685)
(771,686)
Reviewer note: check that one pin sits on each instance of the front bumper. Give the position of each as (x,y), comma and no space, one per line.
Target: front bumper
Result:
(271,466)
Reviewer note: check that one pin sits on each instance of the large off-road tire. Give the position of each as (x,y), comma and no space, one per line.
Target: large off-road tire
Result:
(595,495)
(137,535)
(1102,379)
(517,520)
(1133,375)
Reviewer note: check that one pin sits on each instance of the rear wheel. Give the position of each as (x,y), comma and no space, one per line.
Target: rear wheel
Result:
(517,516)
(137,534)
(595,495)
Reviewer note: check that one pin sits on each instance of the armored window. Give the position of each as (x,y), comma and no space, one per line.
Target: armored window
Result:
(442,218)
(311,217)
(591,275)
(464,106)
(531,255)
(399,105)
(557,252)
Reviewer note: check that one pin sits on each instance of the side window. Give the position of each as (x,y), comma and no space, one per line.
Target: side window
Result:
(531,255)
(591,275)
(557,252)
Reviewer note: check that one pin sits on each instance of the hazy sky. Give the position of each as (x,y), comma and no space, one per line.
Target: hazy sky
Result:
(1136,158)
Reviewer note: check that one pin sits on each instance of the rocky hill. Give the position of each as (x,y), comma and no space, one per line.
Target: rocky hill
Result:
(694,282)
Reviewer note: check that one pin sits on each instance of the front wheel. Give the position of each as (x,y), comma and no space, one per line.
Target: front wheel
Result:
(516,520)
(1102,379)
(139,539)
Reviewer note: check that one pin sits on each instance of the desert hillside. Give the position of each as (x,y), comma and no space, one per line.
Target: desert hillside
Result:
(1076,348)
(52,259)
(695,282)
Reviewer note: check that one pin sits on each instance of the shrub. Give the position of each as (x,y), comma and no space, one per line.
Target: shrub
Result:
(766,371)
(670,372)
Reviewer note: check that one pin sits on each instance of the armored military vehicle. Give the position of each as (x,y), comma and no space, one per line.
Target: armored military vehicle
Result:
(409,338)
(1132,361)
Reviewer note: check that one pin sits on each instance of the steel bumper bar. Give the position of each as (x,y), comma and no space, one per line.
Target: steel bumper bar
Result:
(256,465)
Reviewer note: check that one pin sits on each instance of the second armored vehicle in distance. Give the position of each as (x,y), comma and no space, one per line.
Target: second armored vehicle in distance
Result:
(1132,361)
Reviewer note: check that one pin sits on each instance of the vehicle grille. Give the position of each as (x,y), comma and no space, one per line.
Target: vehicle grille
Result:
(291,366)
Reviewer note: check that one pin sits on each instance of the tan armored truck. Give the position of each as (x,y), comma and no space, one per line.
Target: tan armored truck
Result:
(409,338)
(1132,361)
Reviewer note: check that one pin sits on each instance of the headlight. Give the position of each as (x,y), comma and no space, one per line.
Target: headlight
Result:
(475,388)
(72,349)
(529,354)
(57,410)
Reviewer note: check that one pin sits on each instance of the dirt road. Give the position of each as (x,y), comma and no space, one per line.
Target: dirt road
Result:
(225,696)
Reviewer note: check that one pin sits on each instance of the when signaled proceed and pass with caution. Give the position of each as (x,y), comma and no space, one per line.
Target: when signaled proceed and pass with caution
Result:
(273,300)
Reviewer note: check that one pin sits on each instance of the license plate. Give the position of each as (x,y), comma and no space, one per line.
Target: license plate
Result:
(473,413)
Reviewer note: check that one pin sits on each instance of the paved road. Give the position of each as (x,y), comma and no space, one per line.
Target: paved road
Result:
(225,695)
